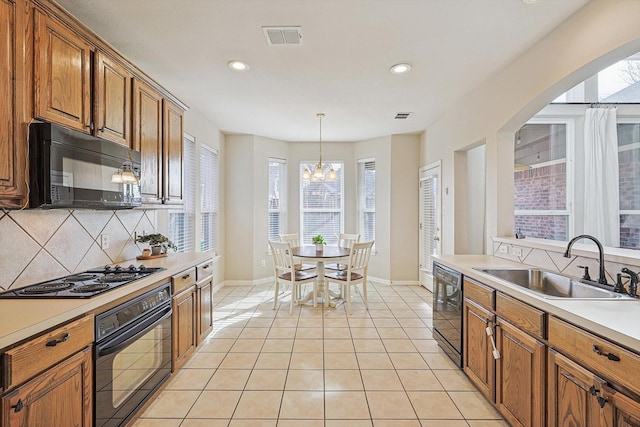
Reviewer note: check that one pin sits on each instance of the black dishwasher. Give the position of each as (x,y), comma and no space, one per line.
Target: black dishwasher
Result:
(447,311)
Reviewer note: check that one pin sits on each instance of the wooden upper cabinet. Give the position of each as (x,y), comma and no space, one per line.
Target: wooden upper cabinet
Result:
(113,100)
(12,154)
(62,75)
(173,152)
(147,138)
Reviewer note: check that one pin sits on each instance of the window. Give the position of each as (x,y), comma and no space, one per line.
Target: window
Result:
(367,199)
(541,196)
(629,176)
(209,198)
(322,206)
(181,223)
(277,197)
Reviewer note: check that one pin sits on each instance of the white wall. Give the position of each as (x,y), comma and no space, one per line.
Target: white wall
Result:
(246,202)
(597,35)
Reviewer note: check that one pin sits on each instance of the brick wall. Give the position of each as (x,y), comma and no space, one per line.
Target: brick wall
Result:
(543,188)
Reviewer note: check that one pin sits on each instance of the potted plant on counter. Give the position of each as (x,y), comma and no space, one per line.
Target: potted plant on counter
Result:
(319,242)
(159,243)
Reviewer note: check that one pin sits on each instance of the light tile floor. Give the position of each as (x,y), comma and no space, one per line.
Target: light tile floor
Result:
(321,368)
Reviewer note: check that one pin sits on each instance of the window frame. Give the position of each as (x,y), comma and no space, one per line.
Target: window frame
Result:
(282,205)
(362,209)
(569,211)
(213,245)
(188,242)
(302,165)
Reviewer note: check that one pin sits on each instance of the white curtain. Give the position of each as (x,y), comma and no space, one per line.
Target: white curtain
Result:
(601,185)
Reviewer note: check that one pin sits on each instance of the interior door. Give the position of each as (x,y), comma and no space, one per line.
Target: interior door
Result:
(430,221)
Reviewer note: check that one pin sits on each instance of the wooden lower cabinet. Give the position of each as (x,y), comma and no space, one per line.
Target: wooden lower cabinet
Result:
(184,326)
(60,396)
(205,310)
(478,362)
(520,379)
(579,397)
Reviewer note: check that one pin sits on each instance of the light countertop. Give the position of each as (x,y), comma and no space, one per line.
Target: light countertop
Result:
(23,318)
(616,320)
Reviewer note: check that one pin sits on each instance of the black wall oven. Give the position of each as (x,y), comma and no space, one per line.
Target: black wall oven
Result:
(132,355)
(447,311)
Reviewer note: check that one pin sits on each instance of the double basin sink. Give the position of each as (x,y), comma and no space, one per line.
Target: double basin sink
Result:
(553,286)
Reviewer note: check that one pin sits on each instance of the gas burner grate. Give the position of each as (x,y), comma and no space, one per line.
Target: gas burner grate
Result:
(46,288)
(91,288)
(80,277)
(117,277)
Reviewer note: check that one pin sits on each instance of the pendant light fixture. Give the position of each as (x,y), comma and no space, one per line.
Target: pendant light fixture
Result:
(318,173)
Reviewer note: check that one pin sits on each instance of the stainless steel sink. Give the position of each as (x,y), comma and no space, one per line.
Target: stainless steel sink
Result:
(551,285)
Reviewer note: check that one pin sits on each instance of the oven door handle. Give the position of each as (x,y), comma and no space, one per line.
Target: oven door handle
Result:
(126,339)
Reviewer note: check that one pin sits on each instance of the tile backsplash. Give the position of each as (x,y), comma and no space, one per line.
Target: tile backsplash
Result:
(38,245)
(553,259)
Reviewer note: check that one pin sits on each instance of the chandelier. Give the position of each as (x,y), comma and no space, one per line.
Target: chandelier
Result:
(318,173)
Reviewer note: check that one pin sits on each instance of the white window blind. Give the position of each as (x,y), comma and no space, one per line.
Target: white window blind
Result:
(277,197)
(429,189)
(367,199)
(182,223)
(209,198)
(322,206)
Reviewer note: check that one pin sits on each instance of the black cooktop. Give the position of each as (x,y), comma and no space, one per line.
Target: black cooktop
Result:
(83,285)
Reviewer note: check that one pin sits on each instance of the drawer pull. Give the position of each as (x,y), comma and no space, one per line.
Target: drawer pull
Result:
(18,406)
(609,356)
(54,343)
(186,276)
(206,267)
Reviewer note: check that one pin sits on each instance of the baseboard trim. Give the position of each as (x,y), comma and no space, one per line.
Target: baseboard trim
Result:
(265,281)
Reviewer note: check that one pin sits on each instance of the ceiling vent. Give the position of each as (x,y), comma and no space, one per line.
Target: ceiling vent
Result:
(281,36)
(402,116)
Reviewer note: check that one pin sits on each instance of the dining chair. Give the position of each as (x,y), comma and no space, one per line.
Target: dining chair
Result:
(285,272)
(294,241)
(345,241)
(357,266)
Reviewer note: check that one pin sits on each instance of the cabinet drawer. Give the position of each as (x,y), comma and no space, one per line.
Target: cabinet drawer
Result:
(204,270)
(584,347)
(183,280)
(38,354)
(522,315)
(480,294)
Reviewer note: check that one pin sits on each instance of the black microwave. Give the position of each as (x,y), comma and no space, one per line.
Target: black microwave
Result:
(70,169)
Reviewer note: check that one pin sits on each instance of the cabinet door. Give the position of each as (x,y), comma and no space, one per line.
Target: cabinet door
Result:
(184,326)
(575,395)
(61,396)
(147,138)
(12,155)
(62,75)
(113,100)
(478,362)
(173,152)
(626,410)
(205,310)
(520,376)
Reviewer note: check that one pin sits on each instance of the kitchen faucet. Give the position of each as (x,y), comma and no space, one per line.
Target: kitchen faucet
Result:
(602,278)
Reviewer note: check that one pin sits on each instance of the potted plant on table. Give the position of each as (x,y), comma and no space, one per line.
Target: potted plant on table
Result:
(319,242)
(159,243)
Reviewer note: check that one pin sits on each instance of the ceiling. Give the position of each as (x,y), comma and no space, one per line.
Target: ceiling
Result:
(341,68)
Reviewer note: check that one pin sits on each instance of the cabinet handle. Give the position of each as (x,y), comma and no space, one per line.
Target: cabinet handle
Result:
(186,276)
(595,392)
(609,356)
(18,406)
(54,343)
(206,267)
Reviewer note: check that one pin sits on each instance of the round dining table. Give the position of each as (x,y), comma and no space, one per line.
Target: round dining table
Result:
(327,254)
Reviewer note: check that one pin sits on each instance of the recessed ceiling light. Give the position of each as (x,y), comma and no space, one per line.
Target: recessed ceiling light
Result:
(400,68)
(238,65)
